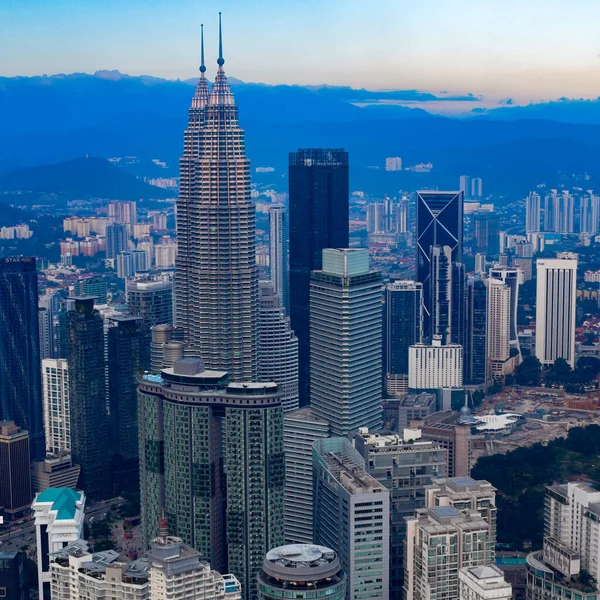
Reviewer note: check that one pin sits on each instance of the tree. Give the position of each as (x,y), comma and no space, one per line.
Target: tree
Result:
(103,545)
(529,371)
(559,373)
(100,529)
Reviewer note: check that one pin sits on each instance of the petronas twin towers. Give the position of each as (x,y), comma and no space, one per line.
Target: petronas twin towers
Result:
(216,277)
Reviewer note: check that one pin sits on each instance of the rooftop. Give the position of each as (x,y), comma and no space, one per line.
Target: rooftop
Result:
(64,501)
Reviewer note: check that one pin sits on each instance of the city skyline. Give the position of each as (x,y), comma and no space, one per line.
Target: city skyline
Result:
(510,50)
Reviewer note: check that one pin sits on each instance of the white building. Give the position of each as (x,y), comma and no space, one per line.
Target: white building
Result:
(589,213)
(125,264)
(164,255)
(58,515)
(55,398)
(483,583)
(278,252)
(556,297)
(533,208)
(498,325)
(433,366)
(278,346)
(393,163)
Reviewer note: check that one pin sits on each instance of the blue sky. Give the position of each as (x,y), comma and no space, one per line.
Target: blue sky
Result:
(524,49)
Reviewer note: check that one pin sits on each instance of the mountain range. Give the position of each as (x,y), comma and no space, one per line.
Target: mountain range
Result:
(59,118)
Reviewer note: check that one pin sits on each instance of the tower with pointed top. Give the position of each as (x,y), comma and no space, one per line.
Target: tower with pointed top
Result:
(216,278)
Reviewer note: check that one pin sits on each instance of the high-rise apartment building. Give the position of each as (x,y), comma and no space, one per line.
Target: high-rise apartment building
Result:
(279,252)
(47,306)
(211,455)
(483,583)
(510,277)
(564,210)
(216,276)
(533,213)
(402,329)
(309,570)
(20,377)
(465,186)
(556,297)
(439,223)
(95,286)
(440,541)
(435,366)
(124,212)
(152,301)
(475,351)
(117,239)
(15,491)
(165,255)
(393,163)
(345,341)
(405,465)
(498,329)
(567,566)
(476,188)
(352,516)
(589,213)
(319,219)
(87,395)
(125,264)
(278,346)
(300,429)
(57,412)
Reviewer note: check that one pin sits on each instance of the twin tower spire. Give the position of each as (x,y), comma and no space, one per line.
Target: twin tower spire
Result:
(220,93)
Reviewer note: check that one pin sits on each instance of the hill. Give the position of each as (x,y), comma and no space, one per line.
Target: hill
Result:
(82,177)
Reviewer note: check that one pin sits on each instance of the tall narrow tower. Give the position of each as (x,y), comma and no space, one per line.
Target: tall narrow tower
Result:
(216,277)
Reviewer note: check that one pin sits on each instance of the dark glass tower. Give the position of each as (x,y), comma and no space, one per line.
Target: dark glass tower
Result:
(402,328)
(20,372)
(87,396)
(486,238)
(116,239)
(439,223)
(475,338)
(319,213)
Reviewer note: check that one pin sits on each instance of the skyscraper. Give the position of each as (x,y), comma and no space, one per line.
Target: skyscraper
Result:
(152,301)
(57,412)
(92,286)
(498,338)
(556,297)
(345,341)
(20,376)
(15,491)
(439,223)
(589,213)
(216,276)
(441,293)
(475,363)
(319,214)
(510,277)
(486,233)
(117,239)
(402,328)
(564,208)
(46,315)
(87,395)
(211,455)
(279,252)
(278,346)
(533,213)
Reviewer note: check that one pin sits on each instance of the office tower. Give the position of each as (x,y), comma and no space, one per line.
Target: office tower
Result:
(466,495)
(57,413)
(465,186)
(435,366)
(128,354)
(589,213)
(498,338)
(399,412)
(393,163)
(58,516)
(117,239)
(56,470)
(14,580)
(20,380)
(211,455)
(216,276)
(345,341)
(300,429)
(125,265)
(476,188)
(94,285)
(483,583)
(510,277)
(564,209)
(556,297)
(567,566)
(441,305)
(152,301)
(352,516)
(486,236)
(309,570)
(87,395)
(279,252)
(404,464)
(533,213)
(475,351)
(47,305)
(15,491)
(439,223)
(277,346)
(440,541)
(402,328)
(458,319)
(319,215)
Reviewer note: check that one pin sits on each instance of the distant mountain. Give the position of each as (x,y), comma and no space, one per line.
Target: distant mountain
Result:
(82,177)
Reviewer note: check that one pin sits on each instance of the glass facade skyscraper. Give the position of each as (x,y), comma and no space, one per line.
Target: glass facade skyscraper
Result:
(476,334)
(20,371)
(318,209)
